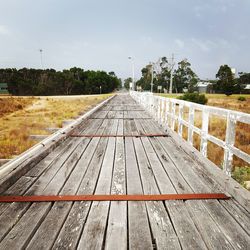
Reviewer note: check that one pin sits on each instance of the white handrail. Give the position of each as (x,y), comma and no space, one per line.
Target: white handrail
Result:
(163,109)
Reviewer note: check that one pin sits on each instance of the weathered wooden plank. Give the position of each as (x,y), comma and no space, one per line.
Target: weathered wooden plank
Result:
(225,222)
(107,107)
(185,228)
(27,160)
(25,182)
(98,215)
(28,224)
(49,229)
(197,208)
(148,167)
(161,226)
(16,210)
(73,226)
(119,114)
(18,188)
(111,114)
(239,213)
(100,114)
(50,182)
(208,229)
(239,193)
(116,235)
(138,224)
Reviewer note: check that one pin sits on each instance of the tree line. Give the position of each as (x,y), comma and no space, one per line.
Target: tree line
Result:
(73,81)
(186,80)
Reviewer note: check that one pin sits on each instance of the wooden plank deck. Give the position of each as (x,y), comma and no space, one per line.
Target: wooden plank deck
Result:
(116,165)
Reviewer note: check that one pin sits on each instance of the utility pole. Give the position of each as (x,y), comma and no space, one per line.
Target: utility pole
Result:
(171,74)
(152,78)
(41,57)
(133,72)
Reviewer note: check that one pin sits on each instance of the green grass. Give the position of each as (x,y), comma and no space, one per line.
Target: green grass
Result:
(209,96)
(241,174)
(223,96)
(168,95)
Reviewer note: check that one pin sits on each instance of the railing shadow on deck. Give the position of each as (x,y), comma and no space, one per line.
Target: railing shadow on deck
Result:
(164,111)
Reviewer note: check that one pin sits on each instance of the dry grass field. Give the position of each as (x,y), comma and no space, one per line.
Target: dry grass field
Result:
(21,117)
(217,127)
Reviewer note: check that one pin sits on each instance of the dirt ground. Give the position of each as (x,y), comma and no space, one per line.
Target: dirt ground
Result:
(21,117)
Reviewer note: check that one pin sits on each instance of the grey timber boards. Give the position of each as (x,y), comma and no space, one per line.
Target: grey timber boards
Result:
(138,224)
(142,165)
(25,218)
(221,225)
(46,234)
(116,235)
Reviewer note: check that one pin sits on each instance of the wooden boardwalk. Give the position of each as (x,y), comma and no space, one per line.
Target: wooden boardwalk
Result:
(121,165)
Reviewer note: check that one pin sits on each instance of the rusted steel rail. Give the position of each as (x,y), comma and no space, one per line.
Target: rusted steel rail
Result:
(137,136)
(96,197)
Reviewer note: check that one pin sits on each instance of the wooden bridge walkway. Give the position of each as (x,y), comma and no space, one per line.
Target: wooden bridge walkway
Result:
(121,165)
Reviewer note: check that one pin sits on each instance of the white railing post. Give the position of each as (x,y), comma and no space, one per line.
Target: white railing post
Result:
(152,105)
(167,113)
(161,107)
(229,141)
(155,108)
(180,118)
(159,110)
(204,131)
(190,125)
(173,116)
(163,110)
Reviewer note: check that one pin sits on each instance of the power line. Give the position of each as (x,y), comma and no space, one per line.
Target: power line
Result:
(172,63)
(41,57)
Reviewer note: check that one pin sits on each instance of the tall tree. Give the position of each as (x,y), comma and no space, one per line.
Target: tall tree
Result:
(242,81)
(226,83)
(127,82)
(184,78)
(162,70)
(51,82)
(145,80)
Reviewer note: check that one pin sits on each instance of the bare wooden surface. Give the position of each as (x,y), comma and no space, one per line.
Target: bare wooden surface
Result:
(131,165)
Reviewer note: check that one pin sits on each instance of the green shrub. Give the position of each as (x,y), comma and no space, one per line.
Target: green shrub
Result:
(194,97)
(241,174)
(241,98)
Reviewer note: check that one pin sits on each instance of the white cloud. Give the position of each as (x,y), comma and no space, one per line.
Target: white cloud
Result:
(207,45)
(204,45)
(180,43)
(4,30)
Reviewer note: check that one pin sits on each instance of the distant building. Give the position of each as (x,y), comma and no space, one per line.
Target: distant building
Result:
(247,89)
(202,87)
(4,89)
(233,70)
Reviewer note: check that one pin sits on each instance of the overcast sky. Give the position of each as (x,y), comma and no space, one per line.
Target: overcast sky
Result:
(101,34)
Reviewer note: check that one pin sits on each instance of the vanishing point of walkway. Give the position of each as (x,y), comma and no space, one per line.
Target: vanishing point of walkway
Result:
(120,165)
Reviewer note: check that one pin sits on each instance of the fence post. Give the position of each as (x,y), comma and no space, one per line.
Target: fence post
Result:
(152,105)
(159,110)
(190,125)
(173,115)
(167,113)
(204,131)
(180,125)
(163,111)
(155,108)
(229,141)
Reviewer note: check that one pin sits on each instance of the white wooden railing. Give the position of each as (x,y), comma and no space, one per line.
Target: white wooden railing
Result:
(164,111)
